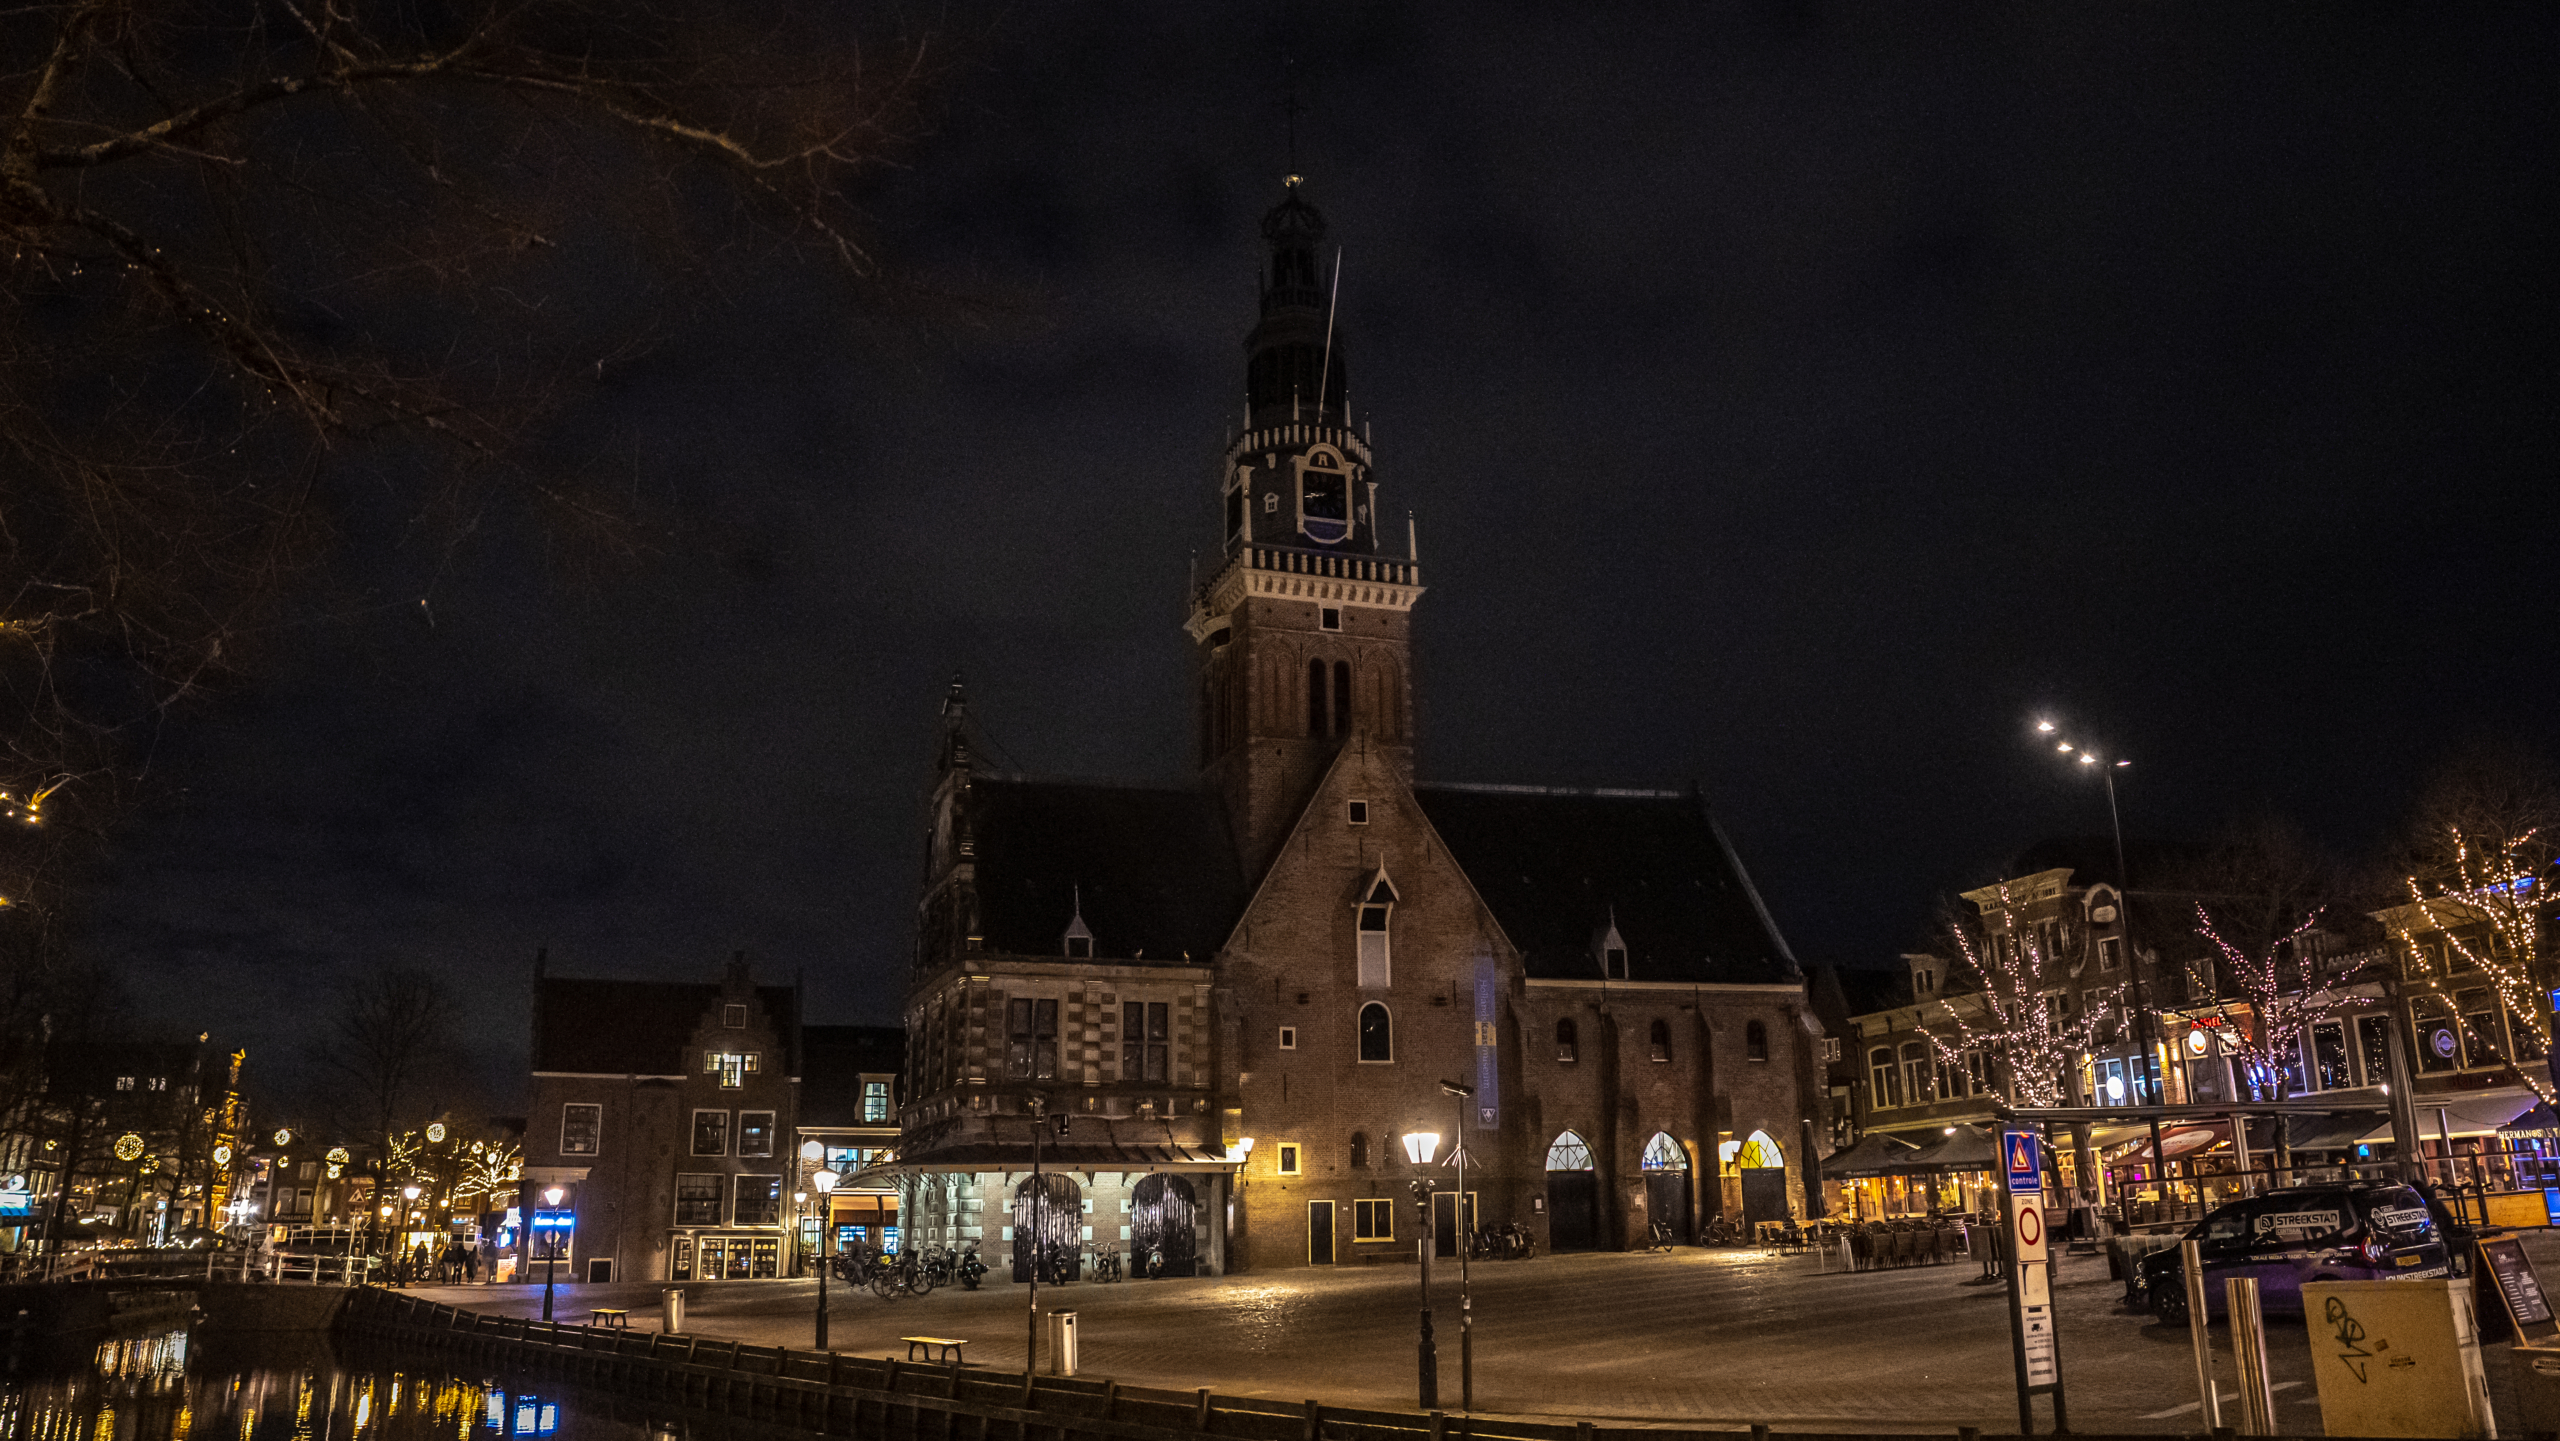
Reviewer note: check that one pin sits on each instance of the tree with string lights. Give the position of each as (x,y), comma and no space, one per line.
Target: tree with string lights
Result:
(2266,994)
(2021,1013)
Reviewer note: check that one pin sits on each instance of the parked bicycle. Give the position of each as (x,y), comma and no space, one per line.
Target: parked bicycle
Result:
(902,1275)
(1106,1264)
(1658,1237)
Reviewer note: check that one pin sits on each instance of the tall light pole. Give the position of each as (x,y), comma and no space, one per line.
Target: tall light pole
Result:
(2146,1023)
(1466,1219)
(408,1227)
(1419,1148)
(825,1181)
(550,1247)
(1039,1106)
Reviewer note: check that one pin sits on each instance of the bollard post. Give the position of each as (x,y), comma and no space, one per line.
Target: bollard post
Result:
(1200,1422)
(2249,1353)
(2191,1271)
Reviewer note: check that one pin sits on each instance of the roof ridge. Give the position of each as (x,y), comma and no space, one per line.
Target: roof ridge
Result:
(1507,789)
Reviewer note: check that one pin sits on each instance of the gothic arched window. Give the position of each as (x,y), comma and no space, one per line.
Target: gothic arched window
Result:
(1316,708)
(1568,1040)
(1659,1035)
(1342,697)
(1377,1034)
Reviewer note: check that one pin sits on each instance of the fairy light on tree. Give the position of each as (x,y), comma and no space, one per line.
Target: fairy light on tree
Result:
(2022,1016)
(2268,996)
(2489,901)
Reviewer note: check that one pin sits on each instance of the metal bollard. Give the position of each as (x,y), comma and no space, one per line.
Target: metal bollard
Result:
(2249,1352)
(2191,1271)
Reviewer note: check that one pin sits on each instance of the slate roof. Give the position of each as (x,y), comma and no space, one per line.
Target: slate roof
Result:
(1554,864)
(1156,869)
(832,1062)
(615,1028)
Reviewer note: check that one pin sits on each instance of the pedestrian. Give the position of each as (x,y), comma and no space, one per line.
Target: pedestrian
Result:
(418,1262)
(489,1258)
(470,1265)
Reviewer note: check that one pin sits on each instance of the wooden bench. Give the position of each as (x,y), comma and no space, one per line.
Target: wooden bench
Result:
(608,1316)
(947,1348)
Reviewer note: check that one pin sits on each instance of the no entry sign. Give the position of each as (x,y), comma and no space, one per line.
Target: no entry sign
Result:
(2030,1227)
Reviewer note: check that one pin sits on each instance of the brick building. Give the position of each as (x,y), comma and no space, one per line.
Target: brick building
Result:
(665,1112)
(1219,1008)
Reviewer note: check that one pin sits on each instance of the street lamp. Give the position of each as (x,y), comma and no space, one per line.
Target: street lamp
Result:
(551,1247)
(825,1181)
(2146,1025)
(408,1228)
(1466,1219)
(1419,1148)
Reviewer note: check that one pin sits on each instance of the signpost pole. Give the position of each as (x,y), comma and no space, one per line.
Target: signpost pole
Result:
(2033,1347)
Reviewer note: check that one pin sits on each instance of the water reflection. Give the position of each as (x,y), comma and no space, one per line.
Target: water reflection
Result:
(171,1386)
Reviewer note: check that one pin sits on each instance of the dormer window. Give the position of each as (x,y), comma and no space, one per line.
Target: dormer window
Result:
(1376,910)
(1078,942)
(1324,497)
(1611,950)
(733,1018)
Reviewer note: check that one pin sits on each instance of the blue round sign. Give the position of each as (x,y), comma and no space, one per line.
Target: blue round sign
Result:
(2441,1042)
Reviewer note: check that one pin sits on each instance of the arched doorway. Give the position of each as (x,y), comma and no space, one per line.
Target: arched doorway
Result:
(1573,1196)
(1764,1179)
(1666,1184)
(1161,1213)
(1055,1214)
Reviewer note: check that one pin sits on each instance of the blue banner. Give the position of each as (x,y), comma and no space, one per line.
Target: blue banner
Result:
(1488,1048)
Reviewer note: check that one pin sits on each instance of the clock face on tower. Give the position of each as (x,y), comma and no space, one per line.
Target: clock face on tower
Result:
(1324,497)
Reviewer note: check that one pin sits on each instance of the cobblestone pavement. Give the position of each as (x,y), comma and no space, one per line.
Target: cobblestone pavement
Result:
(1694,1337)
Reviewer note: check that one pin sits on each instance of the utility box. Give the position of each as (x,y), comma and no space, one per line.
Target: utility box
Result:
(2397,1358)
(1062,1343)
(2534,1377)
(672,1320)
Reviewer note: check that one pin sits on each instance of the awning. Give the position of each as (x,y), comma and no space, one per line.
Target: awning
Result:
(2330,1133)
(2197,1138)
(2536,1122)
(2481,1115)
(1872,1156)
(1962,1148)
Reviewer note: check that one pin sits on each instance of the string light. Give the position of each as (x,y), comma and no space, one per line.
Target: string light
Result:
(2276,1001)
(2022,1026)
(2498,890)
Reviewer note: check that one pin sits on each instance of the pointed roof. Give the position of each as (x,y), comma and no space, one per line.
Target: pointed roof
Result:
(1556,864)
(1151,872)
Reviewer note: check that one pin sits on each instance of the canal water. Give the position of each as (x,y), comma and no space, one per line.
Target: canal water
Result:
(174,1386)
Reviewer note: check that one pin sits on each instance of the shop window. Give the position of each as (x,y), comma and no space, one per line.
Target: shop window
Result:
(1146,1040)
(875,1102)
(759,1201)
(1658,1038)
(1031,1052)
(1377,1037)
(1373,1220)
(1568,1041)
(698,1199)
(581,1128)
(1884,1086)
(755,1133)
(1755,1042)
(711,1133)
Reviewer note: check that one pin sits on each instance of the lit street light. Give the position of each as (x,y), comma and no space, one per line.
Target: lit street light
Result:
(549,1221)
(825,1181)
(1419,1147)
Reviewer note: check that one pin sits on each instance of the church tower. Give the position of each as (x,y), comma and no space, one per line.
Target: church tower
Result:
(1303,633)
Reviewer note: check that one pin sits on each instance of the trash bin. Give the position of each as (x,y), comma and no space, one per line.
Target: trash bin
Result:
(672,1322)
(1062,1343)
(2535,1375)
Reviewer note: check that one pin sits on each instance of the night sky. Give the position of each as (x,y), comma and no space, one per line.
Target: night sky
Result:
(1793,400)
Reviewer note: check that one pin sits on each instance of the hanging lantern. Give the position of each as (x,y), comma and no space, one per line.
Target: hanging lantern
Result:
(128,1147)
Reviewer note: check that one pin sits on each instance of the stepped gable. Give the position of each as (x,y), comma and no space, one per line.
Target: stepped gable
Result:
(1153,872)
(1558,867)
(634,1028)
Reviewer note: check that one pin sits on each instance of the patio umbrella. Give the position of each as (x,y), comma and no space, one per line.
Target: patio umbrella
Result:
(1961,1148)
(1873,1156)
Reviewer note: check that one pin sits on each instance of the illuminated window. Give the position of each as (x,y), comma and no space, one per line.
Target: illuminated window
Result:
(1373,1220)
(732,1067)
(1287,1160)
(875,1101)
(124,1083)
(1324,497)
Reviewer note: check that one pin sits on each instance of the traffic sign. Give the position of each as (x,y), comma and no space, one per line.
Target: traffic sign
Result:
(2030,1227)
(2018,1155)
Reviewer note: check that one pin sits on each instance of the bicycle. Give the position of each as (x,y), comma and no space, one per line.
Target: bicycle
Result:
(1106,1265)
(1658,1237)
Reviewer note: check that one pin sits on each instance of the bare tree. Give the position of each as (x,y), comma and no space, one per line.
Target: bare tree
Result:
(2021,1011)
(2261,895)
(282,272)
(389,1046)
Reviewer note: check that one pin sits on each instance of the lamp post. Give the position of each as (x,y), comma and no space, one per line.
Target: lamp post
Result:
(2146,1025)
(550,1247)
(1038,1106)
(408,1228)
(1466,1218)
(1419,1147)
(825,1181)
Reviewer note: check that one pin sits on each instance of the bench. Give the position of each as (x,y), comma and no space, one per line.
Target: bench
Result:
(608,1316)
(946,1347)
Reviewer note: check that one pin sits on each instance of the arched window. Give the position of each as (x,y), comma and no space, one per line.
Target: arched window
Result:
(1659,1036)
(1761,1152)
(1755,1042)
(1884,1086)
(1375,913)
(1315,698)
(1664,1154)
(1568,1152)
(1568,1040)
(1342,697)
(1377,1035)
(1359,1150)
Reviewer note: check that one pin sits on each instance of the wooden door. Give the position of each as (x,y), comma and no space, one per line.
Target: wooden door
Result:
(1573,1210)
(1319,1233)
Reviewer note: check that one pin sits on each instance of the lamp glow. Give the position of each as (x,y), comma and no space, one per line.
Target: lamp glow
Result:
(1421,1146)
(825,1181)
(553,1195)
